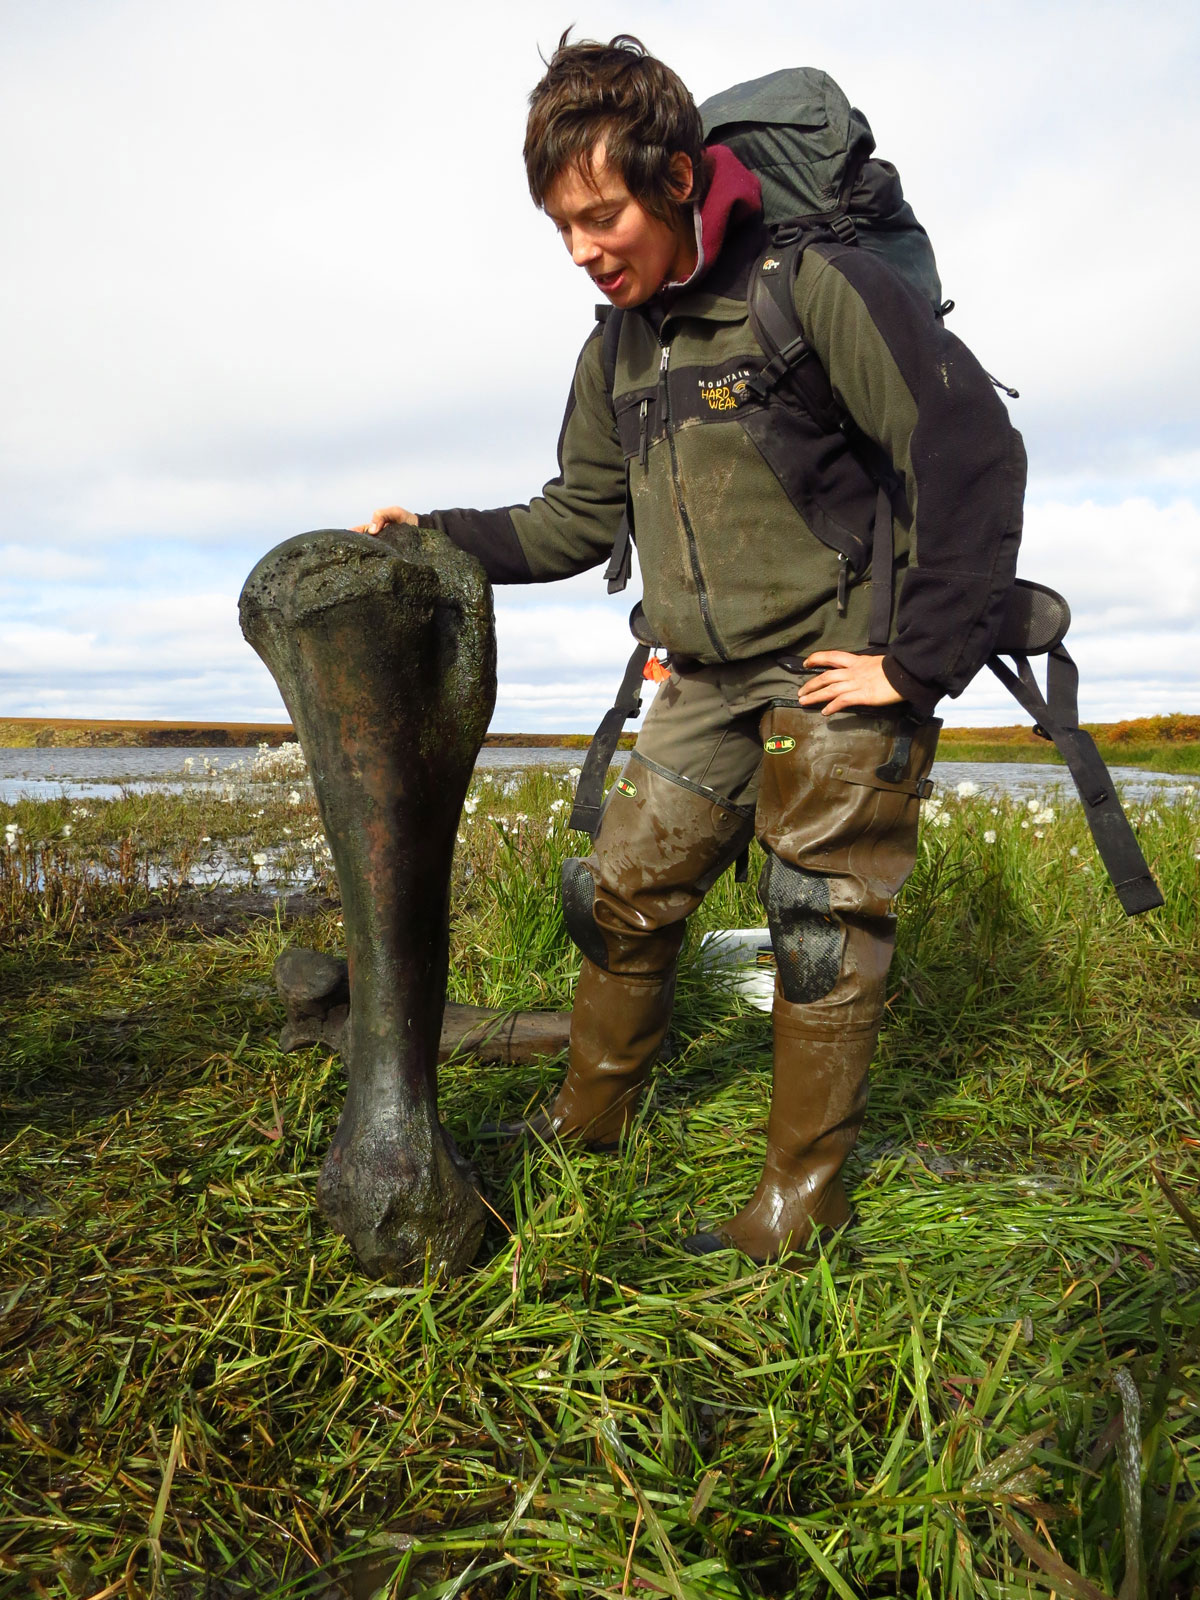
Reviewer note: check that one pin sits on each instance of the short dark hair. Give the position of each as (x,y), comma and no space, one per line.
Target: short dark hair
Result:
(619,93)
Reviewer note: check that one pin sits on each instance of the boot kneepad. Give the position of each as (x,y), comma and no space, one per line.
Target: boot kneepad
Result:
(808,939)
(578,902)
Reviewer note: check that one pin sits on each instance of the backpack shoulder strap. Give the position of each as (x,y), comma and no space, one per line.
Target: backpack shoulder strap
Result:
(611,317)
(775,322)
(620,565)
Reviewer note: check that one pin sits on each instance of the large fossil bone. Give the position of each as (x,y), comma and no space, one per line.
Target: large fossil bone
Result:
(315,990)
(384,651)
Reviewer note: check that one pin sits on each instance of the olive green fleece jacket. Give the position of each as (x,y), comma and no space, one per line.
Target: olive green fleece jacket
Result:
(739,508)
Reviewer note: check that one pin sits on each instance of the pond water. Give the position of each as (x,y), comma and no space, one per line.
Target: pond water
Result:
(86,772)
(101,773)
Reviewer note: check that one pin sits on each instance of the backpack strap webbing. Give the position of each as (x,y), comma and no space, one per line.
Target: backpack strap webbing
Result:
(1056,714)
(620,563)
(776,325)
(589,792)
(610,319)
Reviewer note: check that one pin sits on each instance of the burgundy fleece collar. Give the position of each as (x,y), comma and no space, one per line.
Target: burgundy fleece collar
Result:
(733,194)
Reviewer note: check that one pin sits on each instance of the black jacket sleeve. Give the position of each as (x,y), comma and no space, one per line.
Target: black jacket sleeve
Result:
(920,394)
(489,536)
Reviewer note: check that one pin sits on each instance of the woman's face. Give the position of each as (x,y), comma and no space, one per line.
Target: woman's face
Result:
(628,253)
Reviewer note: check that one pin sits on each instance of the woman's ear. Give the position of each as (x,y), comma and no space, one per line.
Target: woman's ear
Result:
(682,177)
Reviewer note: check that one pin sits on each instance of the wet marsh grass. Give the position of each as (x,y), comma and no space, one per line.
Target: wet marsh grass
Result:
(990,1387)
(1152,757)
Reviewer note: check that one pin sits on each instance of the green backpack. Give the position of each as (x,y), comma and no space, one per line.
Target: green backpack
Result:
(810,149)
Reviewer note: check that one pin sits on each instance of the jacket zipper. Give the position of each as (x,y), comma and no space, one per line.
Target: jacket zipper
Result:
(845,573)
(689,531)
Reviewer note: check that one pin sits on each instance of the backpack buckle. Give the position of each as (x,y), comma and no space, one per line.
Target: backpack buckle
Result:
(842,227)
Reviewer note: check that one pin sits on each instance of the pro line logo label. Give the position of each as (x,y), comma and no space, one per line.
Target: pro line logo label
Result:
(779,745)
(625,786)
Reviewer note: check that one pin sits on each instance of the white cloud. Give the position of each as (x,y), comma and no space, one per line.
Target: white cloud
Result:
(1129,567)
(269,265)
(20,561)
(149,641)
(115,632)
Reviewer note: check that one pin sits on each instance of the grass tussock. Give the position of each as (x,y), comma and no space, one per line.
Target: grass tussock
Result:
(1160,744)
(990,1387)
(78,732)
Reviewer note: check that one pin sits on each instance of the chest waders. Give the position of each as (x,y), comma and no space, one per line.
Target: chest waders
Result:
(834,801)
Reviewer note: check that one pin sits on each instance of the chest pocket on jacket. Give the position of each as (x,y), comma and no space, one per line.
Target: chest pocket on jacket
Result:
(636,415)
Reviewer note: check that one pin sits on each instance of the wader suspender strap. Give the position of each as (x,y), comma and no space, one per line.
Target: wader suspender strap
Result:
(589,793)
(772,310)
(1056,714)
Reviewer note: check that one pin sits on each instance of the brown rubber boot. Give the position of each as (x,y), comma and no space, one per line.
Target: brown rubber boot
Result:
(818,1099)
(617,1027)
(837,813)
(662,843)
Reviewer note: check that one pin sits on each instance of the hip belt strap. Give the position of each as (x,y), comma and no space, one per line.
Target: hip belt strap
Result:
(1056,714)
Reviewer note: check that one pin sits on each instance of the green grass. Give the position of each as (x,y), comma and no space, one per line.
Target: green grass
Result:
(1183,758)
(990,1386)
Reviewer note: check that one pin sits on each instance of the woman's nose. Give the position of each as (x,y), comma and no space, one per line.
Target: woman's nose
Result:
(583,249)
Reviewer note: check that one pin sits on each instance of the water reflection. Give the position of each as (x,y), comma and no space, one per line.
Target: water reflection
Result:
(86,773)
(102,772)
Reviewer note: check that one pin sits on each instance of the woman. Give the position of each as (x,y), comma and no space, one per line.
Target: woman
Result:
(780,717)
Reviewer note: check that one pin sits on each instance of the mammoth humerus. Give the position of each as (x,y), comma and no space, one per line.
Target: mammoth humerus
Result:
(384,652)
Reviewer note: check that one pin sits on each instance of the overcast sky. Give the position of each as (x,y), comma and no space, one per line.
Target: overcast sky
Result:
(269,264)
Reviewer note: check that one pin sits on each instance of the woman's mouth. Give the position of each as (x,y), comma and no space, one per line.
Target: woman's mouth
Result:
(607,282)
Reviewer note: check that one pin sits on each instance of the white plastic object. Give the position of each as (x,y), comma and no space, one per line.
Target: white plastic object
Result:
(748,952)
